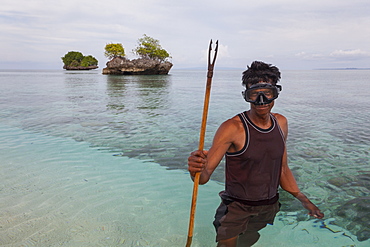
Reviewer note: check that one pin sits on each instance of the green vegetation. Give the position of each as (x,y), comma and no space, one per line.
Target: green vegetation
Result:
(89,61)
(114,50)
(76,59)
(150,48)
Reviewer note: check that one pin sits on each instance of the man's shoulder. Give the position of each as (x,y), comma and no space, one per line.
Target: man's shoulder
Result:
(233,123)
(233,120)
(280,117)
(283,123)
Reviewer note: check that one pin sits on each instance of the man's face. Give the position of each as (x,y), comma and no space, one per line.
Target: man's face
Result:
(261,97)
(262,109)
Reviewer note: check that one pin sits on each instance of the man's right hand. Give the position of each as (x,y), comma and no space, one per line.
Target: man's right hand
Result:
(197,161)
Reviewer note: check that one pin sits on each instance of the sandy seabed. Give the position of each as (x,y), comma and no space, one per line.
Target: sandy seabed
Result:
(58,192)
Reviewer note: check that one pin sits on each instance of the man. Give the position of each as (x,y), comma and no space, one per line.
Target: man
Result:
(253,143)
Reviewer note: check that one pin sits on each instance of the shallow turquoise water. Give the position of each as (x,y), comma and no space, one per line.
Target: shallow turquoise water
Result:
(98,160)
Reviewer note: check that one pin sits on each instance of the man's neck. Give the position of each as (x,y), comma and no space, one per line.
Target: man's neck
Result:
(261,121)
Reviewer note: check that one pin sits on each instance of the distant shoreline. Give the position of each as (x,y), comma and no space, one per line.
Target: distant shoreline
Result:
(233,68)
(343,69)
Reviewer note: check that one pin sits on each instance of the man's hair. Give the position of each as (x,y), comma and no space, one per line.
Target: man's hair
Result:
(260,71)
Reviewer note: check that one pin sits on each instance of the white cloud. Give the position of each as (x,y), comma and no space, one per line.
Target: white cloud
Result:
(310,56)
(223,52)
(335,56)
(352,54)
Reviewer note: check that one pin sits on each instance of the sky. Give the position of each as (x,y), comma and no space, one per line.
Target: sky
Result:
(291,34)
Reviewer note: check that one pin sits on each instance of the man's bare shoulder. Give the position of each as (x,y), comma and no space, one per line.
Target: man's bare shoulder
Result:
(229,133)
(281,119)
(233,122)
(283,123)
(231,125)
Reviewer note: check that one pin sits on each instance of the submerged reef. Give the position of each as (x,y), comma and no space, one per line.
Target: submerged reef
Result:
(358,208)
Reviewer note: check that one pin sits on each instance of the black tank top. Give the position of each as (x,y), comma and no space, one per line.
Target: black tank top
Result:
(253,173)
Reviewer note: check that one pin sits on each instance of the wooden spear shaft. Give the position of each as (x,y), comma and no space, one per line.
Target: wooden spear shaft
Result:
(201,140)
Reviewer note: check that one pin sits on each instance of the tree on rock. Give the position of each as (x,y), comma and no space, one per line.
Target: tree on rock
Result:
(89,61)
(114,50)
(75,60)
(72,58)
(149,48)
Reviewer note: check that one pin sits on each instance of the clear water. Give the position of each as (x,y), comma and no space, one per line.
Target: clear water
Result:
(94,160)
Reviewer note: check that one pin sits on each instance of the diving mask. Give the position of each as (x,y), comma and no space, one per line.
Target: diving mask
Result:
(261,93)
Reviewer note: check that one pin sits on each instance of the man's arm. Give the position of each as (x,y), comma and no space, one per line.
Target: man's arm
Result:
(289,184)
(287,180)
(207,161)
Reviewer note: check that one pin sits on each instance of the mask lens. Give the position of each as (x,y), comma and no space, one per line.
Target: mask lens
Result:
(269,93)
(261,93)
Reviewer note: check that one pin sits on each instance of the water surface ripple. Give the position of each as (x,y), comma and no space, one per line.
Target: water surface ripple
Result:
(157,119)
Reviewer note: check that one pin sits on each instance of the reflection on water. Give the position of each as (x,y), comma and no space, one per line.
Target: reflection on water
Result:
(116,92)
(145,92)
(153,92)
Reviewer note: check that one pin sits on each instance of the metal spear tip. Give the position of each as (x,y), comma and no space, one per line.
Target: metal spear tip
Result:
(209,54)
(211,65)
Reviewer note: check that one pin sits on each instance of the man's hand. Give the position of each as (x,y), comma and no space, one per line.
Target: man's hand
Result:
(197,161)
(307,204)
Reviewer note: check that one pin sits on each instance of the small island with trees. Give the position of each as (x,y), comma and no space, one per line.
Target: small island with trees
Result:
(152,59)
(75,60)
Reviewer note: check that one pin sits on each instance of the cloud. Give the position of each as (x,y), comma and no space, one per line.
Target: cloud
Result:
(310,56)
(223,52)
(337,55)
(350,54)
(283,32)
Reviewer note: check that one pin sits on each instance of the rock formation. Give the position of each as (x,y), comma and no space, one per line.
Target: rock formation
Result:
(140,66)
(79,67)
